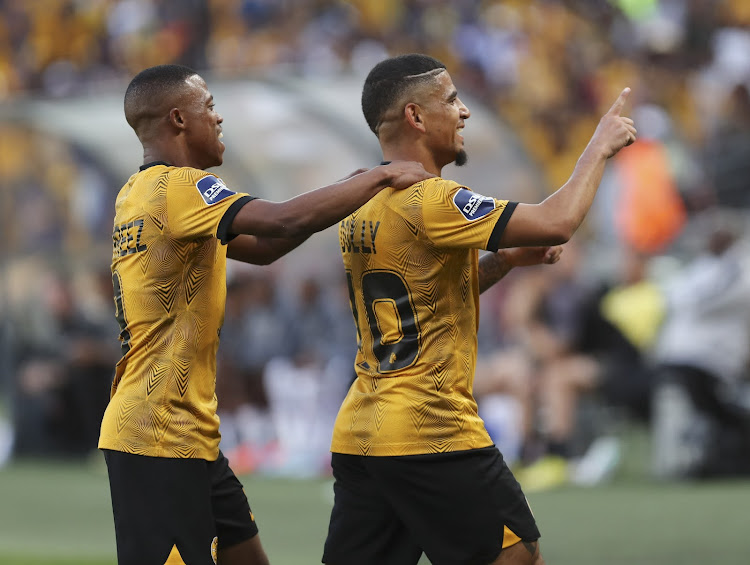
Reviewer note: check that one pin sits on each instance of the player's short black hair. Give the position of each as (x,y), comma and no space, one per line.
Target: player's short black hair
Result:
(151,85)
(390,79)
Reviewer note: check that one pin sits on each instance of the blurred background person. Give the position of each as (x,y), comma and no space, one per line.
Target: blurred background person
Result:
(701,409)
(573,349)
(63,356)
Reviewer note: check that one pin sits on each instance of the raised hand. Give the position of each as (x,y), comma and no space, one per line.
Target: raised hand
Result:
(614,130)
(403,174)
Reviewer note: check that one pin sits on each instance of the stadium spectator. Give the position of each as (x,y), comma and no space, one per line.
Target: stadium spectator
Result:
(578,349)
(247,345)
(727,148)
(701,422)
(547,67)
(282,376)
(64,362)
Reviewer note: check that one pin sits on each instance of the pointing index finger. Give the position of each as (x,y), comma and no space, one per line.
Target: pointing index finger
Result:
(620,102)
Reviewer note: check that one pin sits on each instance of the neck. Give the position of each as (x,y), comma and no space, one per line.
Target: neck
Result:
(171,151)
(150,156)
(412,153)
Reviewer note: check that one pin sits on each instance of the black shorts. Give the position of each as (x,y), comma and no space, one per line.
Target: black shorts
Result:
(159,503)
(458,508)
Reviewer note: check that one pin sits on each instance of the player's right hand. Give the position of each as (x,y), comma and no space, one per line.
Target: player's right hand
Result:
(614,130)
(403,174)
(353,174)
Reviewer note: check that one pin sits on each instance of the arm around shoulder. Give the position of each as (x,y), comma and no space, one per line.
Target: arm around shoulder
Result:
(318,209)
(261,250)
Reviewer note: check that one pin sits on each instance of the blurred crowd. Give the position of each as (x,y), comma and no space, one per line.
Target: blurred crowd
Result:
(662,343)
(600,329)
(550,67)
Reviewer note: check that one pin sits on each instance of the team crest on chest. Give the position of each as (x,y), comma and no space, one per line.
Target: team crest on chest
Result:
(472,205)
(213,189)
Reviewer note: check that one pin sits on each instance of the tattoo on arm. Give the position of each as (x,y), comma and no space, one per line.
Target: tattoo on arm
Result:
(531,546)
(492,268)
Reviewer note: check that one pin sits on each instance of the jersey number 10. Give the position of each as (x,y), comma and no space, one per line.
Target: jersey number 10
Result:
(386,287)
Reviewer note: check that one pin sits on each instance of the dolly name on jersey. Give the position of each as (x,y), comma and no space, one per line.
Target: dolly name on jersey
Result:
(358,236)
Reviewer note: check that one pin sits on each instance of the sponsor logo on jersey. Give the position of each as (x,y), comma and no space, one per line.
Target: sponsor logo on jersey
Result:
(472,205)
(213,190)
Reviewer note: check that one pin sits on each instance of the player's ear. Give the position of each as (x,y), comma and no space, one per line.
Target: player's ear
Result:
(176,118)
(414,116)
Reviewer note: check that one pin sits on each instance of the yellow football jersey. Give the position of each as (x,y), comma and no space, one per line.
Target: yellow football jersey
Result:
(169,279)
(411,260)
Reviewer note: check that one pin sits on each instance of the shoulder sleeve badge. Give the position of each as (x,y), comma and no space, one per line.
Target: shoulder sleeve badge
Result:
(472,205)
(213,189)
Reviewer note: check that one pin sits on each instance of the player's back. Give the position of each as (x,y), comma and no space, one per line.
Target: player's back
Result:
(168,274)
(411,261)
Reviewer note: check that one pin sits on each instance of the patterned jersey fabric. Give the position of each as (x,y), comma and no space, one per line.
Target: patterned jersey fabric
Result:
(411,260)
(169,278)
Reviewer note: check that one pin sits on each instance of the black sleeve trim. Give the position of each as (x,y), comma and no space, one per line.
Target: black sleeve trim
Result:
(226,220)
(502,221)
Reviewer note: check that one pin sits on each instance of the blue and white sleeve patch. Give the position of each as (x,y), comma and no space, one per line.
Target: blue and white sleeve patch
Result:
(472,205)
(213,189)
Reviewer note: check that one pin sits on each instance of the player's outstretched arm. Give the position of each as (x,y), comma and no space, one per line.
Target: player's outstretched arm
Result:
(316,210)
(556,219)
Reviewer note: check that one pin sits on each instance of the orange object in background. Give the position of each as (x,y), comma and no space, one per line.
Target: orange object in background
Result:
(650,212)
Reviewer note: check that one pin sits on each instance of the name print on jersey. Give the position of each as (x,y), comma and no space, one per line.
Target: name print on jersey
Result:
(472,205)
(358,236)
(126,238)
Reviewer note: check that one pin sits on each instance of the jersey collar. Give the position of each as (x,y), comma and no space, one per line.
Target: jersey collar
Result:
(153,164)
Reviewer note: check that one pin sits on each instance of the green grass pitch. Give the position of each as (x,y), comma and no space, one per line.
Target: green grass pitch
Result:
(59,514)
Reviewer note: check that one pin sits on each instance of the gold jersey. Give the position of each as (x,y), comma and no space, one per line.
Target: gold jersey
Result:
(169,279)
(411,258)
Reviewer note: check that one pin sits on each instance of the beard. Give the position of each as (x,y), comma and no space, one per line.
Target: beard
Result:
(461,158)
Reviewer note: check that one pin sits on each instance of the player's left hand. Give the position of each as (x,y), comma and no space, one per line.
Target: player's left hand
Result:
(527,256)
